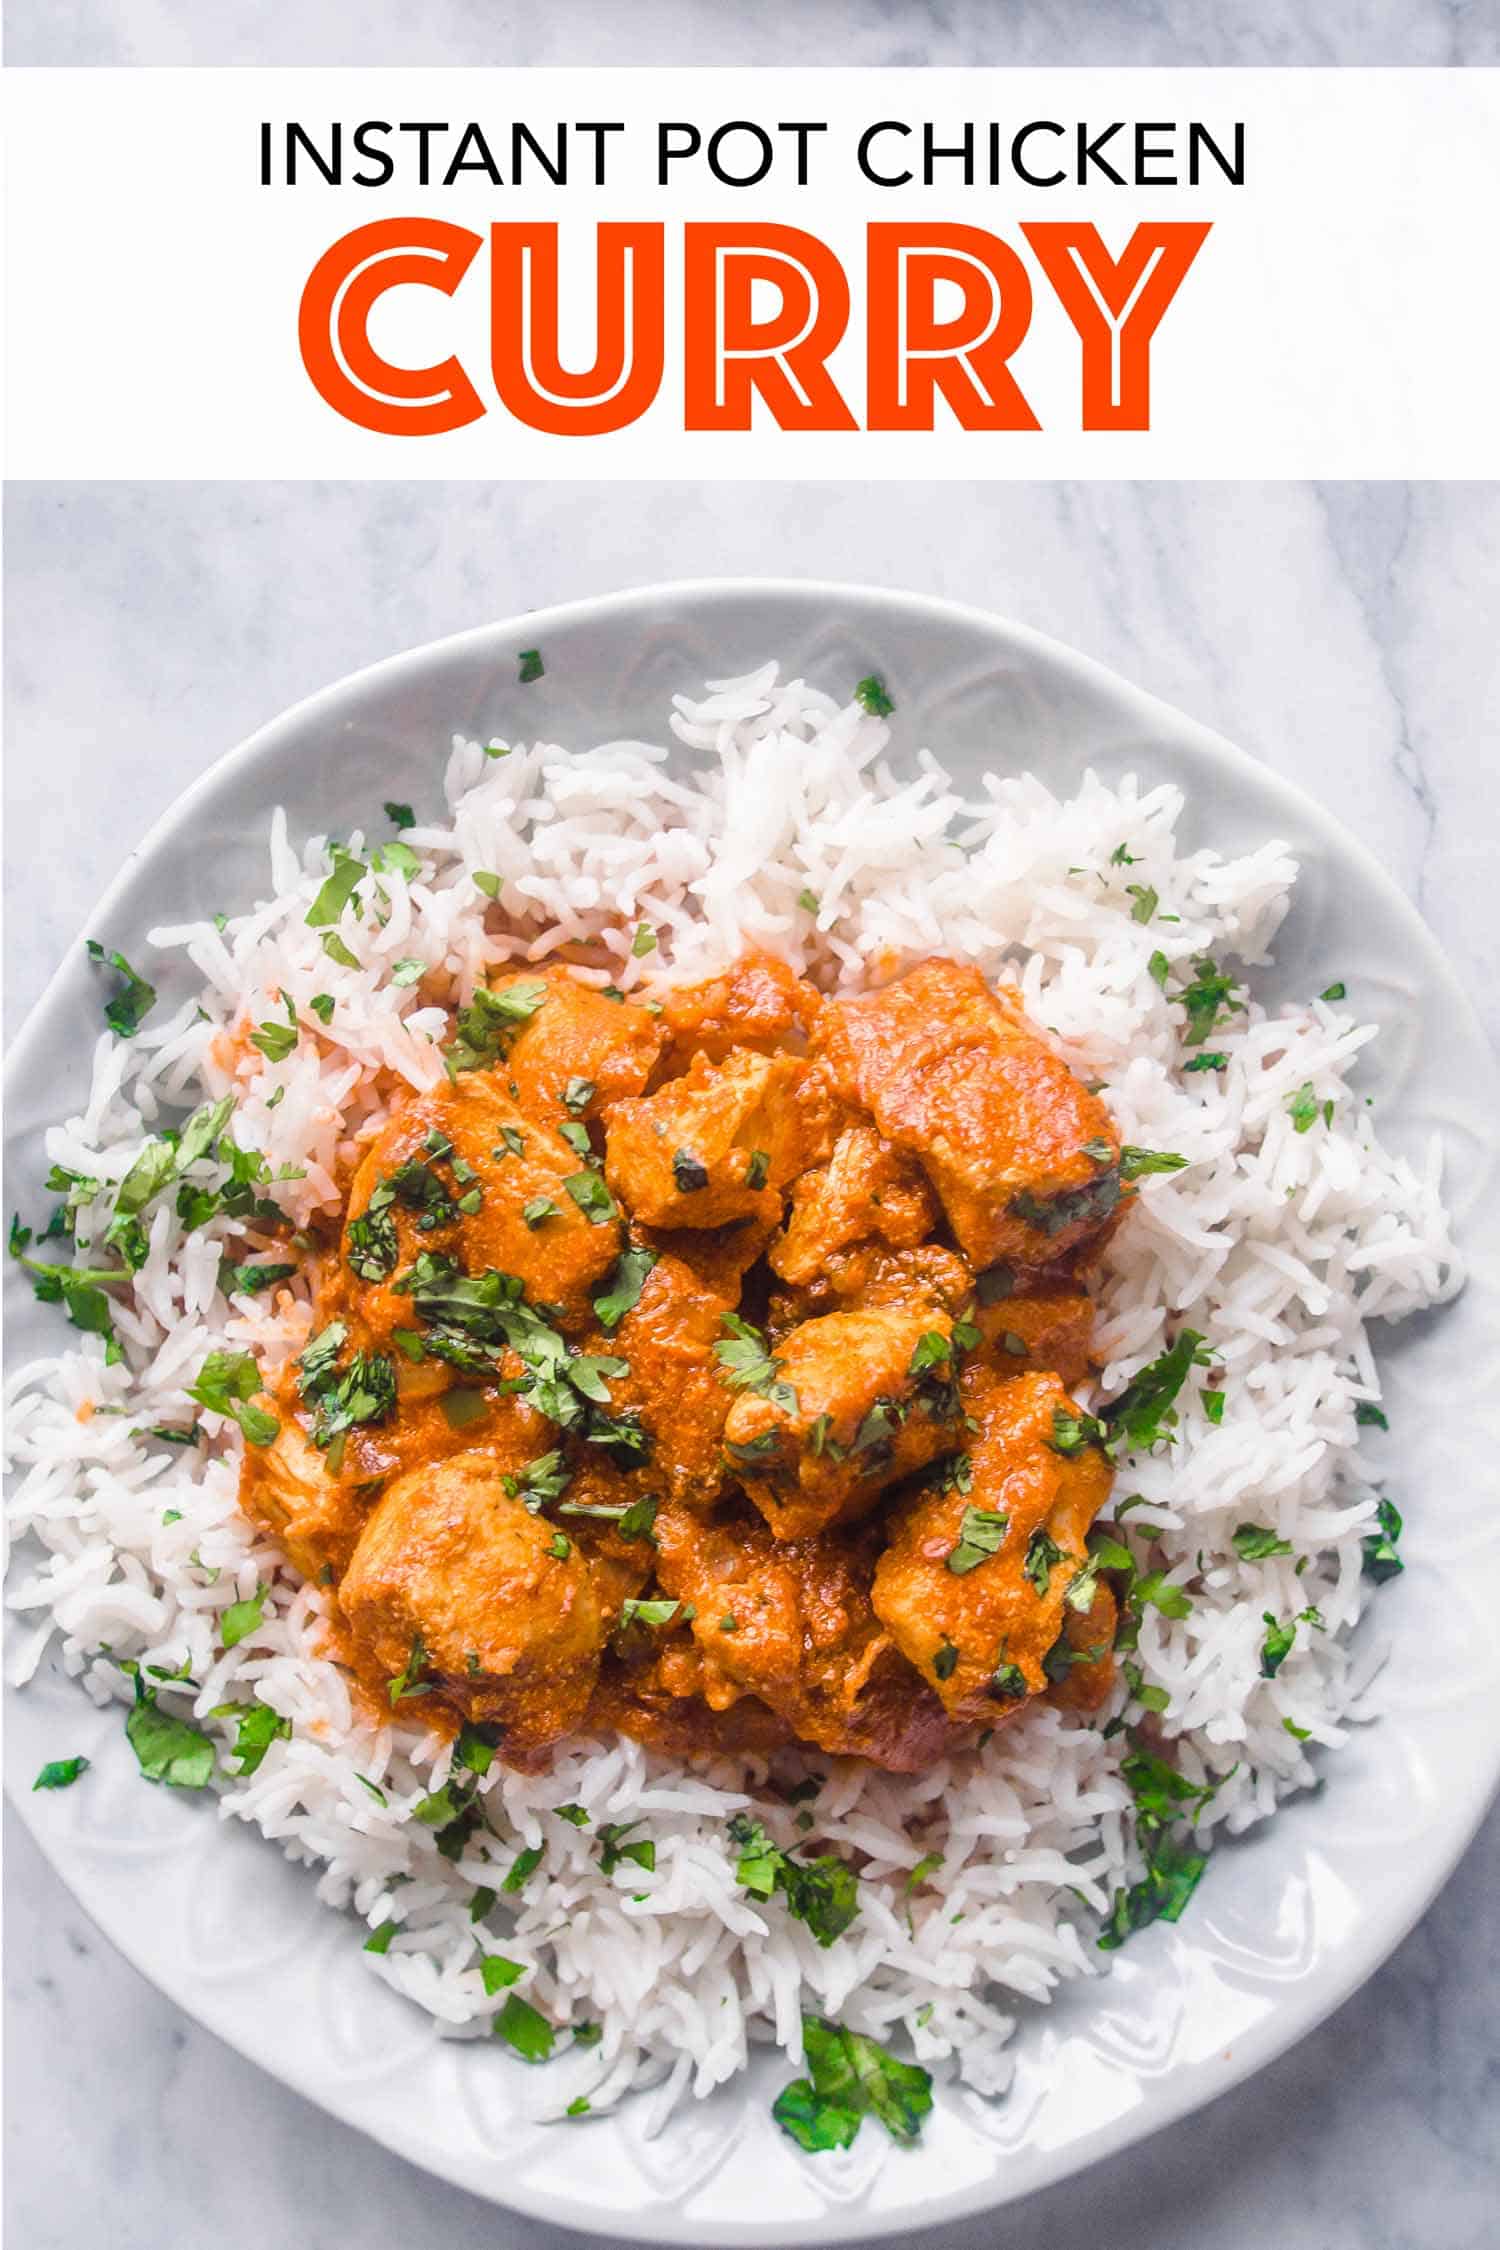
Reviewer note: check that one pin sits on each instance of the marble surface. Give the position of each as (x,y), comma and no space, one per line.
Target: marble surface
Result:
(705,31)
(1347,635)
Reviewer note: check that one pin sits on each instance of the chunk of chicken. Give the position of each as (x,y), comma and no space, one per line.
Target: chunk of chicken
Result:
(1024,1158)
(851,1403)
(457,1586)
(580,1050)
(867,1192)
(973,1584)
(463,1172)
(789,1622)
(758,1002)
(718,1144)
(285,1487)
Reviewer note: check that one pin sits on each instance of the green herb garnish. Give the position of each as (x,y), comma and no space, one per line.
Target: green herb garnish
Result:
(130,1006)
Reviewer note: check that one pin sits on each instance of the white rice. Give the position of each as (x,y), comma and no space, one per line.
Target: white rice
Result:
(1279,1246)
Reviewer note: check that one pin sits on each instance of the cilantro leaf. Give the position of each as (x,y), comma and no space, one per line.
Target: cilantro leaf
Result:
(1381,1559)
(243,1618)
(336,892)
(484,1029)
(870,693)
(1173,1870)
(747,1364)
(1253,1542)
(130,1006)
(622,1291)
(981,1533)
(226,1382)
(851,2076)
(60,1773)
(822,1892)
(168,1749)
(526,2029)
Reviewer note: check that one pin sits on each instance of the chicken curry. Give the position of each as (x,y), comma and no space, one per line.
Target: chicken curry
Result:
(702,1370)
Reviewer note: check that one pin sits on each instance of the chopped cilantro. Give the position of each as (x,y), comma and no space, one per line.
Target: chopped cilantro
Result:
(1136,1162)
(277,1040)
(379,1939)
(592,1197)
(1302,1107)
(396,859)
(336,950)
(243,1618)
(1146,901)
(654,1612)
(408,1680)
(1253,1542)
(484,1029)
(747,1364)
(523,1867)
(531,666)
(251,1280)
(622,1291)
(400,816)
(1210,1059)
(409,971)
(226,1382)
(498,1972)
(1369,1417)
(1381,1559)
(870,692)
(981,1533)
(1043,1554)
(130,1006)
(1334,992)
(615,1844)
(167,1749)
(1279,1640)
(336,892)
(850,2077)
(538,1209)
(60,1773)
(823,1892)
(1173,1870)
(1205,1000)
(644,941)
(1212,1403)
(519,2024)
(257,1726)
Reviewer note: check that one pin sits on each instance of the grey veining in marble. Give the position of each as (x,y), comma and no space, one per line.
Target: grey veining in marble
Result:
(1347,635)
(1001,32)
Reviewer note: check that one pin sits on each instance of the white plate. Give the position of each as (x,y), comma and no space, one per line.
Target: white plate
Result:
(1285,1926)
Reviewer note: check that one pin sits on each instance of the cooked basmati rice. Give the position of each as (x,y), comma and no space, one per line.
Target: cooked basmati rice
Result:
(1280,1245)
